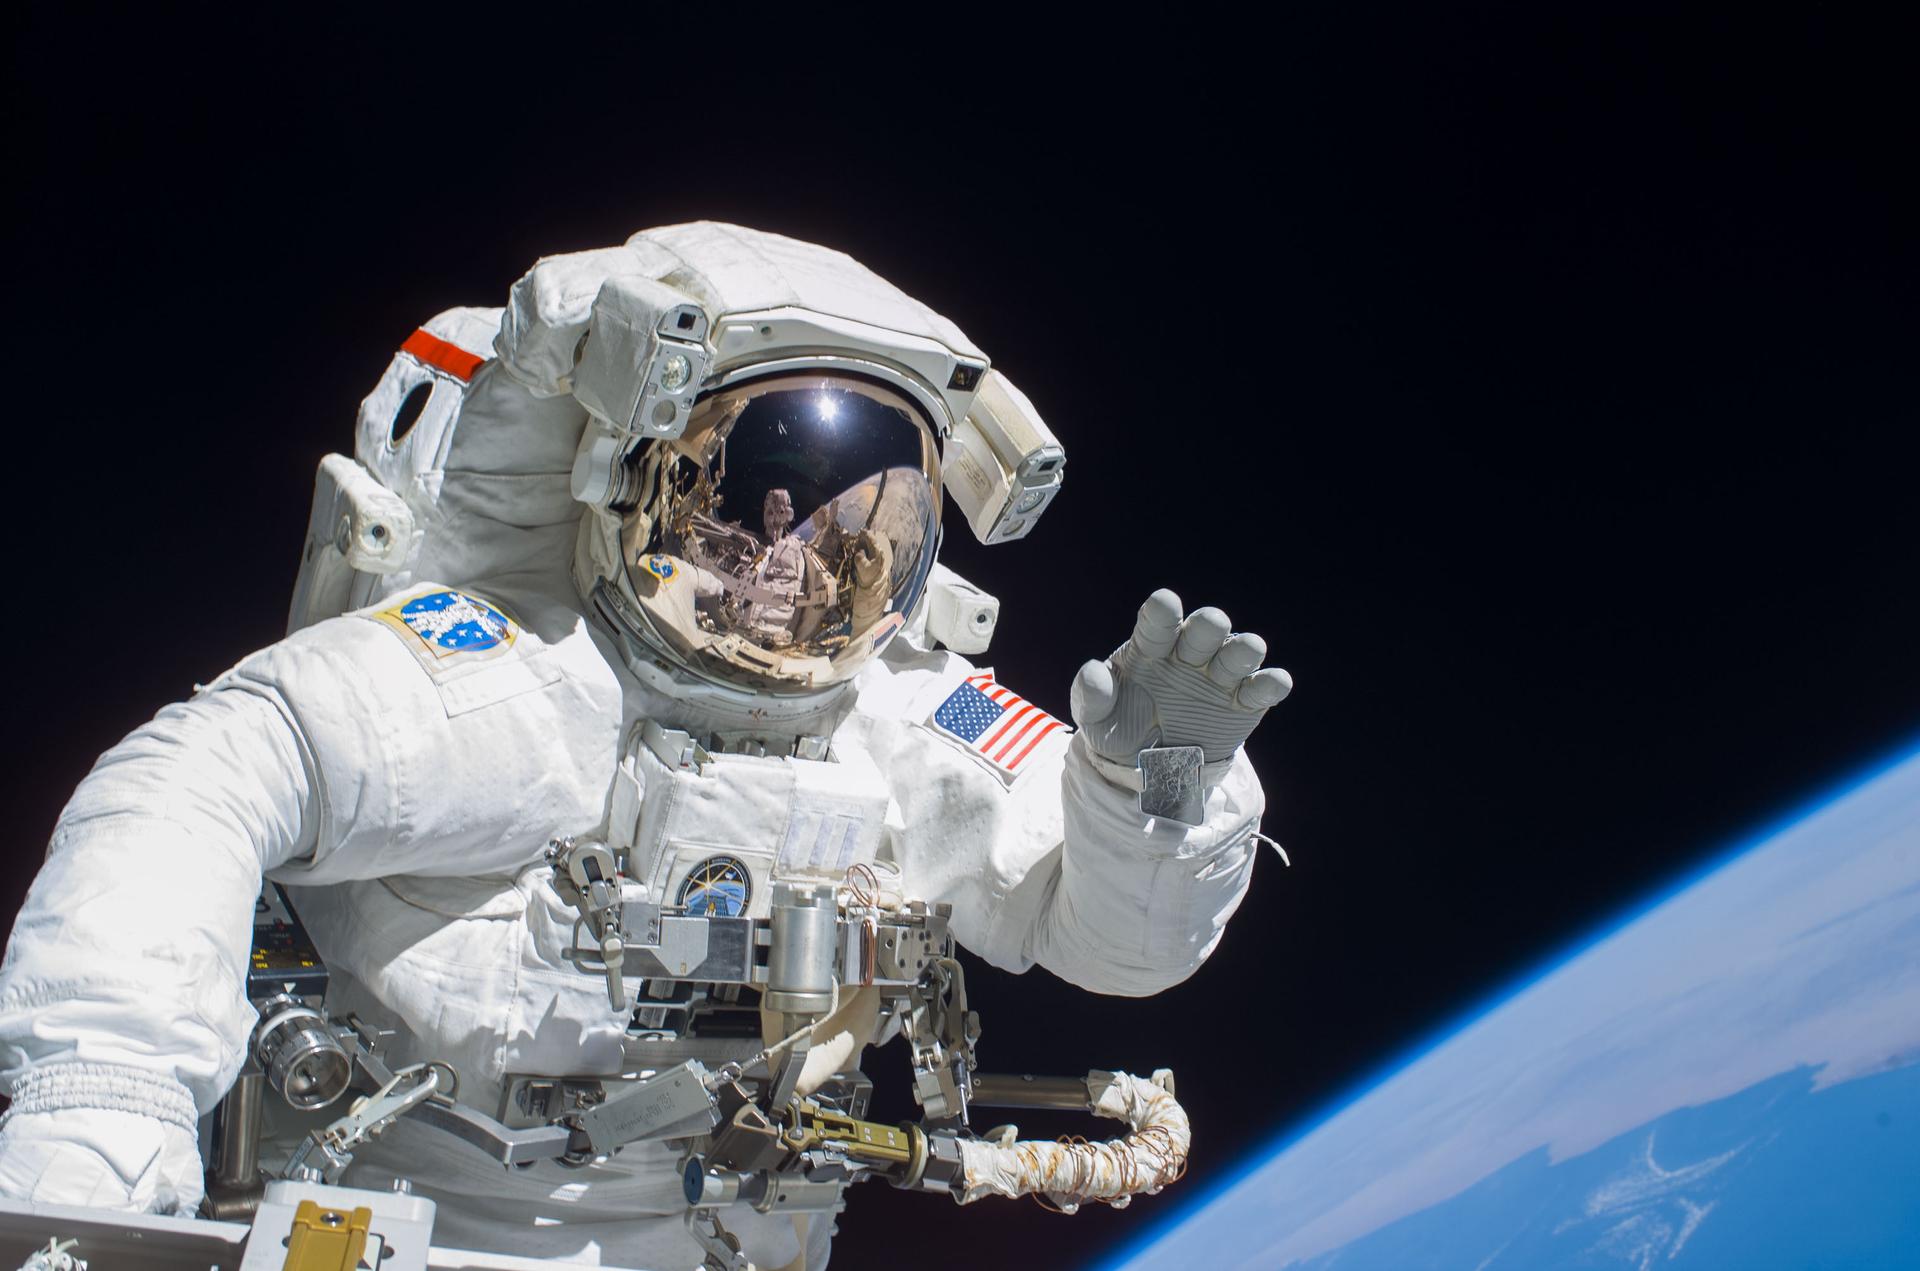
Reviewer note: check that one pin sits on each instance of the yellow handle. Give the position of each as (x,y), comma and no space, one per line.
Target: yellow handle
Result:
(326,1239)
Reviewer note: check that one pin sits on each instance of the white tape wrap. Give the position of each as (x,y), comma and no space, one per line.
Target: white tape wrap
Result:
(1071,1173)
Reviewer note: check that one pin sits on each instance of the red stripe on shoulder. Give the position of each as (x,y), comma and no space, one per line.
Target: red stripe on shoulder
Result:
(440,355)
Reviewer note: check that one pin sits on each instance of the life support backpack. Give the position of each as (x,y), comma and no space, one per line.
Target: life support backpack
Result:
(458,472)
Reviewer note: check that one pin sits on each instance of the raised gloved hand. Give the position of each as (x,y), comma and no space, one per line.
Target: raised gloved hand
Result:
(1176,682)
(872,559)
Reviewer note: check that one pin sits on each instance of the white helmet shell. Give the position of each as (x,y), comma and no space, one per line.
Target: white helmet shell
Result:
(763,453)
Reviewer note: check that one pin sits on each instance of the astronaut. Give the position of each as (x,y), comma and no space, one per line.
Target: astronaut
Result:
(527,613)
(795,580)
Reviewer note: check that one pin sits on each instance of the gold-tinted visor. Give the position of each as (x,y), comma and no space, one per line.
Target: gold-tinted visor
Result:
(783,539)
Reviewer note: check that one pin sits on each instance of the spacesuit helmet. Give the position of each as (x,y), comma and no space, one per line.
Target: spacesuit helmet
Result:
(771,428)
(783,538)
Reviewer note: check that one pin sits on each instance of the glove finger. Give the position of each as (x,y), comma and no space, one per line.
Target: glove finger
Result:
(1264,688)
(1093,694)
(1237,659)
(1158,624)
(1201,636)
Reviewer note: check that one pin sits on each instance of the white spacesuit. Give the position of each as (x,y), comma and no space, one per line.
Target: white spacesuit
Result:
(481,666)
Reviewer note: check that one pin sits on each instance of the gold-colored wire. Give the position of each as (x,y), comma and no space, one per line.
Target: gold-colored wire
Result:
(863,883)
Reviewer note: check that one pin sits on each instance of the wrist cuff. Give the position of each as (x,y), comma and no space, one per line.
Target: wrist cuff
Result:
(1127,776)
(57,1087)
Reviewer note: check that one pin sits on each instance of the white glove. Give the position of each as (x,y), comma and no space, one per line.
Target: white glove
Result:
(100,1158)
(1176,683)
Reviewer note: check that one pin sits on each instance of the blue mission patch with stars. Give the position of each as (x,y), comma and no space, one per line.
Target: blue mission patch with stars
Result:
(450,622)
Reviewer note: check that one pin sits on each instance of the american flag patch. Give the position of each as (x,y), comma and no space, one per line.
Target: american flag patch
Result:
(993,722)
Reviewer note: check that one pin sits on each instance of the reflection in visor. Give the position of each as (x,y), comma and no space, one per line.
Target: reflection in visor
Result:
(803,510)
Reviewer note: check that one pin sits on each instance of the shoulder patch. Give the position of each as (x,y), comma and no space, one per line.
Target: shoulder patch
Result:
(445,627)
(993,724)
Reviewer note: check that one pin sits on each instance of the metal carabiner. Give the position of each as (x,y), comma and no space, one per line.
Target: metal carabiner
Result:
(368,1118)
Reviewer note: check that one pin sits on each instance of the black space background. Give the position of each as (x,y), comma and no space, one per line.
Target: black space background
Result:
(1542,392)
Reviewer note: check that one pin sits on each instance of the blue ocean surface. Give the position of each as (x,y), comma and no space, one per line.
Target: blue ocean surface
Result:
(1730,1080)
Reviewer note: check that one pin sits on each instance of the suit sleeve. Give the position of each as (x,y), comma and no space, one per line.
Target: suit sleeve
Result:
(343,752)
(1056,866)
(122,1006)
(1136,905)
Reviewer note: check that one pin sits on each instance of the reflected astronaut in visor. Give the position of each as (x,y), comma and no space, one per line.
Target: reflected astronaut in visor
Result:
(841,473)
(791,609)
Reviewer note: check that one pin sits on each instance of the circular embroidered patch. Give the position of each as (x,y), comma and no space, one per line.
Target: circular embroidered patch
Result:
(662,568)
(455,622)
(718,887)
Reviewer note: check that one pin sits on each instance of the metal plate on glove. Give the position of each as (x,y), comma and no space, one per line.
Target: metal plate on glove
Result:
(1170,788)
